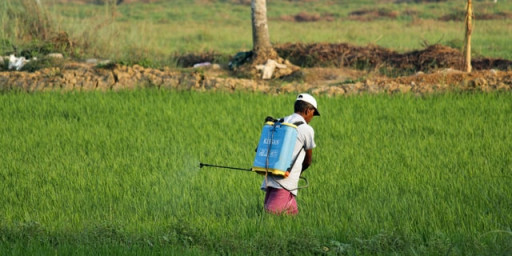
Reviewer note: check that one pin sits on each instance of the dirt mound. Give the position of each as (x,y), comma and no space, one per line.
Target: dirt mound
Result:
(372,14)
(327,55)
(308,17)
(371,57)
(328,81)
(433,57)
(333,69)
(460,16)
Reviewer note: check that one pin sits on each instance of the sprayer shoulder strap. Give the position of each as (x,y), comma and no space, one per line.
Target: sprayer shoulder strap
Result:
(295,123)
(295,160)
(298,123)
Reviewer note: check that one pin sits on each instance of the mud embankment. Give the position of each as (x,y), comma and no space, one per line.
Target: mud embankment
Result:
(86,77)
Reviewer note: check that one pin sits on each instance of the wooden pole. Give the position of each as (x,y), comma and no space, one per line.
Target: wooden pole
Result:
(467,38)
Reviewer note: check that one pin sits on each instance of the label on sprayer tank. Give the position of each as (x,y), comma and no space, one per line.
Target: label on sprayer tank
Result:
(275,148)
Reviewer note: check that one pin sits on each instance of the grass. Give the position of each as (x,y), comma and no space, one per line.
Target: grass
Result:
(111,173)
(117,173)
(158,31)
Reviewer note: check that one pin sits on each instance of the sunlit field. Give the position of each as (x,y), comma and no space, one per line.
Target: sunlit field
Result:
(118,173)
(153,33)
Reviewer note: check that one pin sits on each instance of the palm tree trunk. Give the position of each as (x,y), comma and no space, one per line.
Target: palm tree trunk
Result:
(262,48)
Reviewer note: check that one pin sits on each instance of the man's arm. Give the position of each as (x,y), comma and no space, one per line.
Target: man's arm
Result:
(307,159)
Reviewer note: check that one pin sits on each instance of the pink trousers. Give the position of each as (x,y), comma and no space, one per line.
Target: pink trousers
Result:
(280,201)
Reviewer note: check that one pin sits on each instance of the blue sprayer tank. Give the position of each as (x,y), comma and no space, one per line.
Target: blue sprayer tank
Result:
(275,149)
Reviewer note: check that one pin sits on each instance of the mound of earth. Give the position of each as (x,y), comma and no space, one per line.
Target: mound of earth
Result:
(332,69)
(370,57)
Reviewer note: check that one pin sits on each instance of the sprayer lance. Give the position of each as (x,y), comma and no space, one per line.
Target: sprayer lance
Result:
(201,165)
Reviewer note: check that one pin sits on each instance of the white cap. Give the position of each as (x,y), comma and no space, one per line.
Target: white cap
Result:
(309,99)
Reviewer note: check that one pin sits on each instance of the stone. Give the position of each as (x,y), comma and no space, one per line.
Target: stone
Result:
(267,70)
(91,61)
(405,88)
(335,90)
(55,55)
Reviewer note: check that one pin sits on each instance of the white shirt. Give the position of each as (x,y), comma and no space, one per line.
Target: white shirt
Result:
(305,141)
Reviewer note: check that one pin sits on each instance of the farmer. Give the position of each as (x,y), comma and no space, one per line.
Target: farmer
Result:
(281,192)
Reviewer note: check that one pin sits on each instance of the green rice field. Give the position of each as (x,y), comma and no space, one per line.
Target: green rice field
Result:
(118,173)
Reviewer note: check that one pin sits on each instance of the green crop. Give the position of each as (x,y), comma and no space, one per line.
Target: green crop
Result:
(118,173)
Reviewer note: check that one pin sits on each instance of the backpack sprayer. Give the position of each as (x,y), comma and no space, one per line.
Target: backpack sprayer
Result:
(275,150)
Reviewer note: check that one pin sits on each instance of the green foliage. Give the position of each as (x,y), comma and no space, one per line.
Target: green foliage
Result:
(239,59)
(25,20)
(44,62)
(151,34)
(30,30)
(117,173)
(35,48)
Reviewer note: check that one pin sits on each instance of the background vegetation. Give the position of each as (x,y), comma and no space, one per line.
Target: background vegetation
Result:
(89,173)
(117,173)
(155,33)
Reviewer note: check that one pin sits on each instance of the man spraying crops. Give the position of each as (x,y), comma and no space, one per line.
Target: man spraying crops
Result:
(281,191)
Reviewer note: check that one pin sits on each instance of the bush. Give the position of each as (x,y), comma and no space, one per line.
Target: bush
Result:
(45,62)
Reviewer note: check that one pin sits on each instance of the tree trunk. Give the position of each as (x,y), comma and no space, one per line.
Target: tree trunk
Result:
(262,48)
(467,38)
(264,61)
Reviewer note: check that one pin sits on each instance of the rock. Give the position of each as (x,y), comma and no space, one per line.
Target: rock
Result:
(503,87)
(320,90)
(287,88)
(105,62)
(334,90)
(267,70)
(55,55)
(392,87)
(98,62)
(170,81)
(405,88)
(91,61)
(449,71)
(202,64)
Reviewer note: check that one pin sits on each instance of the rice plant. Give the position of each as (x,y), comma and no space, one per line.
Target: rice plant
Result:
(109,173)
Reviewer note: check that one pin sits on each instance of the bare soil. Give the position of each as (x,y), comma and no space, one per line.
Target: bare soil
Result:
(370,57)
(332,69)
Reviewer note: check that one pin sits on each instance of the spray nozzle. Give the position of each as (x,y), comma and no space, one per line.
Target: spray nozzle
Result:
(201,165)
